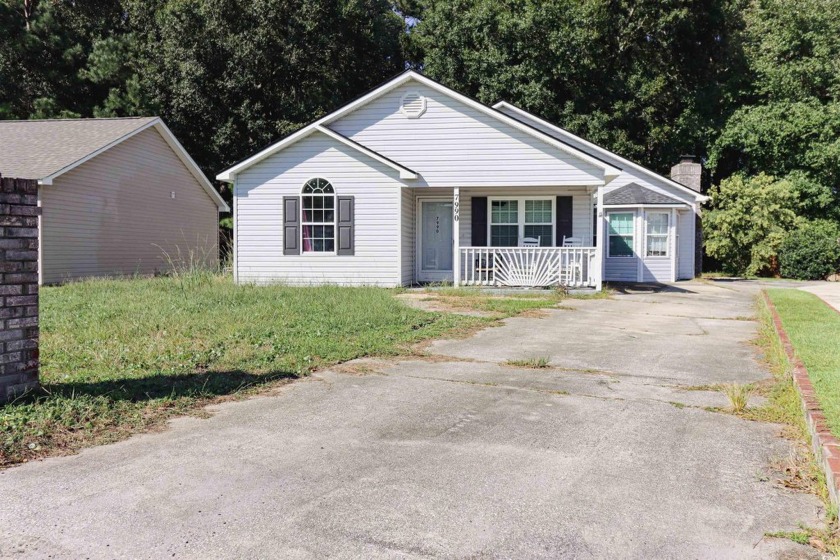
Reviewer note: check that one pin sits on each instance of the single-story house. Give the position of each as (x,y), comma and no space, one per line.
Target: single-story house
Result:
(414,182)
(117,196)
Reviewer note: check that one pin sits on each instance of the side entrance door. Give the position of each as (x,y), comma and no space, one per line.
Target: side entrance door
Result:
(435,241)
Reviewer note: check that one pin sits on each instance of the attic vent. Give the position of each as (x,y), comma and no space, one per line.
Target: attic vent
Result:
(413,105)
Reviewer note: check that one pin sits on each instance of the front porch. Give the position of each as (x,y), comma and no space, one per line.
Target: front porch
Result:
(572,267)
(523,237)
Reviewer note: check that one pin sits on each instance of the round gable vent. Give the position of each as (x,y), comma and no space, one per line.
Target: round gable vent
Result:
(413,105)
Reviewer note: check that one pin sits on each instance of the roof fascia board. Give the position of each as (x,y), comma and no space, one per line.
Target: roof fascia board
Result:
(229,174)
(405,172)
(682,205)
(173,143)
(48,180)
(191,165)
(604,151)
(610,172)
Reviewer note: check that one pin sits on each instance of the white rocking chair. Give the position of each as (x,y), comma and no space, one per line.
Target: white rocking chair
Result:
(572,268)
(531,241)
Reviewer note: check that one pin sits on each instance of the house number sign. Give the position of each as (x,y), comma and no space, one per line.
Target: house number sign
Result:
(456,206)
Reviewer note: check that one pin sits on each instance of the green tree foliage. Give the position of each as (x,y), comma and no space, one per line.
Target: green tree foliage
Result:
(647,78)
(748,220)
(228,76)
(811,251)
(787,124)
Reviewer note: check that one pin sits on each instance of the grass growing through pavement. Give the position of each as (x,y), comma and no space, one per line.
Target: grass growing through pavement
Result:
(122,356)
(534,363)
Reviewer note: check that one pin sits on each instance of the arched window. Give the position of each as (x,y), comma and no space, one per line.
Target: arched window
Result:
(318,216)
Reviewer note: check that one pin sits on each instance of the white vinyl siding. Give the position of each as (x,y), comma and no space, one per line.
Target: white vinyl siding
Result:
(623,269)
(409,232)
(115,214)
(259,193)
(657,269)
(453,144)
(685,248)
(628,175)
(581,208)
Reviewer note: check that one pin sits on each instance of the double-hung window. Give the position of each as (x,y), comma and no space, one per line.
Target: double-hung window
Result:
(656,234)
(513,220)
(620,233)
(318,216)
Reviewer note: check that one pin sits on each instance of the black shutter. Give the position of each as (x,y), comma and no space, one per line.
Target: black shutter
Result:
(595,227)
(479,222)
(291,225)
(346,218)
(564,219)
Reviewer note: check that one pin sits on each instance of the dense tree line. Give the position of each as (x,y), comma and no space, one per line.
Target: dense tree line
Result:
(750,85)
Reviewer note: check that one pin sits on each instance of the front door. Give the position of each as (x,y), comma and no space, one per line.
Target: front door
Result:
(435,241)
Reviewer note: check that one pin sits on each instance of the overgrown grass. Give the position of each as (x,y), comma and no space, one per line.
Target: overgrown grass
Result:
(121,356)
(814,331)
(800,470)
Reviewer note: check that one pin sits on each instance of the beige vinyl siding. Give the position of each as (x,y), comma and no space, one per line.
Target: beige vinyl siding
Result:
(259,193)
(455,144)
(114,215)
(409,232)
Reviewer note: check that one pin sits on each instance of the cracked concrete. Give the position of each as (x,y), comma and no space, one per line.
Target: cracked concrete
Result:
(461,457)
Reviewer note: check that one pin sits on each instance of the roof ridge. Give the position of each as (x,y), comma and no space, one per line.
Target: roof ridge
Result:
(78,119)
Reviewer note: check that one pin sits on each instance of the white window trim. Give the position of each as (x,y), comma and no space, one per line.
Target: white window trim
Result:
(608,235)
(334,195)
(666,235)
(520,218)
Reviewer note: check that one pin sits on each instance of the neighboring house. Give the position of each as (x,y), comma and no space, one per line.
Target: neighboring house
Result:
(118,196)
(414,182)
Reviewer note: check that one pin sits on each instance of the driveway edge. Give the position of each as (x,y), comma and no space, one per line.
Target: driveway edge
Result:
(825,445)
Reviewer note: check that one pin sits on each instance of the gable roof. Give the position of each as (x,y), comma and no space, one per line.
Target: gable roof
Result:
(610,171)
(47,149)
(633,194)
(595,149)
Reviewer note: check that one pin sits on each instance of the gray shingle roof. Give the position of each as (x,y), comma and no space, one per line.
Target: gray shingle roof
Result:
(38,148)
(633,193)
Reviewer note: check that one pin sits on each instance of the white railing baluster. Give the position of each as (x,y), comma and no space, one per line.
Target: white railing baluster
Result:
(527,266)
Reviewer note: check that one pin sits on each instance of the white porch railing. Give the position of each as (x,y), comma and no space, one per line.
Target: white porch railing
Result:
(528,266)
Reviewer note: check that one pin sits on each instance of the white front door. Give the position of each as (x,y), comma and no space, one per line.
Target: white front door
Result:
(434,243)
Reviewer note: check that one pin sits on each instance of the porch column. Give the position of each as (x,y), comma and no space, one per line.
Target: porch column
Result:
(599,245)
(456,234)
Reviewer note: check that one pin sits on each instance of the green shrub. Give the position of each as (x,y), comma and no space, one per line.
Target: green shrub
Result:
(811,251)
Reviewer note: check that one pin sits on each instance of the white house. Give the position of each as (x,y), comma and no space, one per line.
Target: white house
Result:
(414,182)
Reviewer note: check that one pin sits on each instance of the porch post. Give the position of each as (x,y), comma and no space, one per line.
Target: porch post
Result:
(599,246)
(456,234)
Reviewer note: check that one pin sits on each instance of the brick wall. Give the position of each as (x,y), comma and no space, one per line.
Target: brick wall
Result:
(18,286)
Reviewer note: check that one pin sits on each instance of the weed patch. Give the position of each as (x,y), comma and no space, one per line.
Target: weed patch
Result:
(542,362)
(123,356)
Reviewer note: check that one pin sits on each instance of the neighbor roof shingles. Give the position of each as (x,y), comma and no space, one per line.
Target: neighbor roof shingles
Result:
(38,148)
(633,193)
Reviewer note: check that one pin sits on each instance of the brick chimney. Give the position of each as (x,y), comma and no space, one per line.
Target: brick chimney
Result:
(689,172)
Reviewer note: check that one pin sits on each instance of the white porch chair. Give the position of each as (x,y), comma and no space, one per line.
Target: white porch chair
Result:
(572,268)
(531,241)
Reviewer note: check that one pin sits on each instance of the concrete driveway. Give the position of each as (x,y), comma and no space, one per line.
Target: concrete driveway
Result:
(456,456)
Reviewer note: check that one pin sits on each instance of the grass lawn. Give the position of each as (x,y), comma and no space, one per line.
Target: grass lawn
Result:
(122,356)
(814,331)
